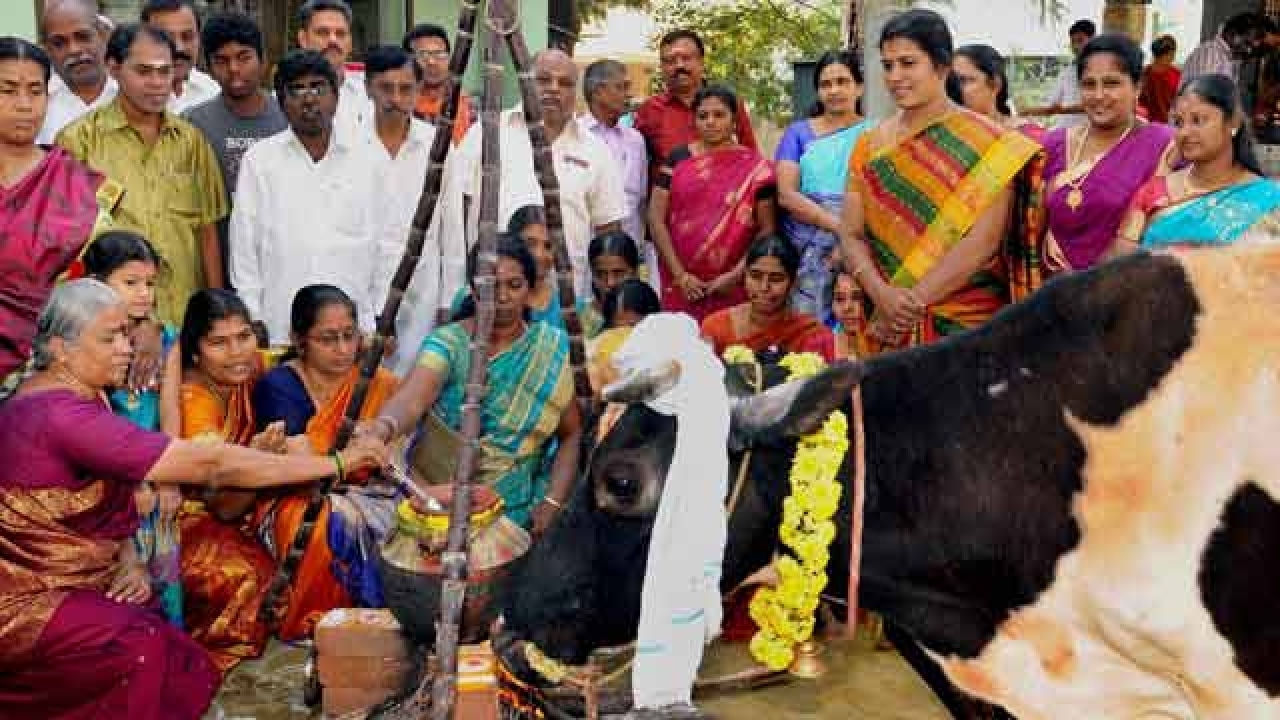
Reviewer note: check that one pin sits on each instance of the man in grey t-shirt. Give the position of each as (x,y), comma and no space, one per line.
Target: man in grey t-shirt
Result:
(243,114)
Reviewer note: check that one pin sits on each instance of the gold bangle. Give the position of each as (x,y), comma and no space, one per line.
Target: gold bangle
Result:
(552,502)
(391,424)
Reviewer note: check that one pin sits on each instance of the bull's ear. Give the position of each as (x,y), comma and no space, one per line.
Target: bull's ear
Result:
(794,408)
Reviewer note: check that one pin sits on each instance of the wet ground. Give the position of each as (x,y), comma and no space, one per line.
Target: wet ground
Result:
(860,683)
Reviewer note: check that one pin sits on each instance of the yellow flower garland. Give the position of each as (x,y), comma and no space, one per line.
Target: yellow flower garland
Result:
(785,613)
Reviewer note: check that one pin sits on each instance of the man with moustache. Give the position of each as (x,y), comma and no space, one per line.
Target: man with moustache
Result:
(399,146)
(76,42)
(429,45)
(242,113)
(591,195)
(666,120)
(173,191)
(325,26)
(178,18)
(306,207)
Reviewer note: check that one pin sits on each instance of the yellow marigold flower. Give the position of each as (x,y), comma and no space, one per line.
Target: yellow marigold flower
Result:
(738,355)
(774,653)
(803,364)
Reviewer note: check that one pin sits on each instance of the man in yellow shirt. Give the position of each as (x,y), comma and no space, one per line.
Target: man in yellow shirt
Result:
(173,191)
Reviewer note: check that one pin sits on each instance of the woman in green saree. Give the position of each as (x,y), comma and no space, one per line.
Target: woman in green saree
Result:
(528,416)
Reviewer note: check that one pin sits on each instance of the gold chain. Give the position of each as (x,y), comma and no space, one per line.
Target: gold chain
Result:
(1075,196)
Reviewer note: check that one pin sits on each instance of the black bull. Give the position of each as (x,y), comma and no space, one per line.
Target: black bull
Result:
(972,468)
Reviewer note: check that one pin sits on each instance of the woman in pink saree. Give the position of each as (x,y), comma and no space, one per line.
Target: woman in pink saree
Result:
(49,202)
(710,200)
(80,638)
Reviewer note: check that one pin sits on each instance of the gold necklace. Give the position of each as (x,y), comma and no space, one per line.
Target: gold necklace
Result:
(68,378)
(1193,188)
(1075,196)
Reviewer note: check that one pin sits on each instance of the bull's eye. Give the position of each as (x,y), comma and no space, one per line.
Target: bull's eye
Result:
(621,484)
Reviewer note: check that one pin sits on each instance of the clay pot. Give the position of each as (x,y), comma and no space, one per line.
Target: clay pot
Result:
(412,571)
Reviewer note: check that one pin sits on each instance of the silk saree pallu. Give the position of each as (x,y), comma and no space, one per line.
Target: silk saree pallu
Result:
(317,586)
(530,388)
(225,572)
(921,196)
(1218,218)
(712,221)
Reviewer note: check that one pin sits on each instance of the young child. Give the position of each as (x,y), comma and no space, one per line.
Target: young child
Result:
(846,306)
(128,263)
(614,259)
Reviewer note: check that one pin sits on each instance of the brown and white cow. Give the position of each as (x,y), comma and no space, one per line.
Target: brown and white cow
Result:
(1074,510)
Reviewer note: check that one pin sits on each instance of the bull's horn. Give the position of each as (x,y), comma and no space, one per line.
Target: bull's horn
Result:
(643,384)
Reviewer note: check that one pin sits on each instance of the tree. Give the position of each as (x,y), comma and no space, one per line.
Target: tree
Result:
(751,43)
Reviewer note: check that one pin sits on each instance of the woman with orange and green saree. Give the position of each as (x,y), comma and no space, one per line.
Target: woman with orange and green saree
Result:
(940,221)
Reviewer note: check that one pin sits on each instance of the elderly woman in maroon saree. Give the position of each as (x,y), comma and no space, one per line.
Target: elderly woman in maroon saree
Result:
(710,200)
(79,638)
(49,203)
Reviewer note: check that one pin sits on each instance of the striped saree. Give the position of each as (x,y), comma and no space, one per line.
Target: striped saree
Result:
(530,387)
(921,196)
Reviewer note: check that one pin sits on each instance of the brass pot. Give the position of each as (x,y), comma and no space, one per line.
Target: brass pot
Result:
(412,572)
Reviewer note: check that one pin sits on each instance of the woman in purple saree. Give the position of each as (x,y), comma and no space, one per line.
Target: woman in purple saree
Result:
(79,638)
(1095,170)
(49,202)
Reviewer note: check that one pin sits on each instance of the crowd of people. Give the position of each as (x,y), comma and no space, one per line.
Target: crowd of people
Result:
(159,427)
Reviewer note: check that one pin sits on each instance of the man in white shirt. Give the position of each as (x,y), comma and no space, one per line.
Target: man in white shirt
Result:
(178,18)
(1064,101)
(399,146)
(77,45)
(305,205)
(605,87)
(591,194)
(325,26)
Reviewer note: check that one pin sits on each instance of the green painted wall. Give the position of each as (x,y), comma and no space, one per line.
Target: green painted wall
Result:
(18,17)
(393,19)
(533,24)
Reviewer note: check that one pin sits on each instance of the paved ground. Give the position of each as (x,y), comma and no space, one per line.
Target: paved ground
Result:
(860,683)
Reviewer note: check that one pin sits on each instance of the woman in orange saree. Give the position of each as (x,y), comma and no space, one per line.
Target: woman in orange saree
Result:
(310,394)
(225,572)
(710,200)
(766,323)
(933,230)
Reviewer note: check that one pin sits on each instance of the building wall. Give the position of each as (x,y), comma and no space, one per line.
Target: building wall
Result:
(18,17)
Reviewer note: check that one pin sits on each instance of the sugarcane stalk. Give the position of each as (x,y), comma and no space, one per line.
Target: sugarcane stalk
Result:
(273,608)
(544,166)
(454,560)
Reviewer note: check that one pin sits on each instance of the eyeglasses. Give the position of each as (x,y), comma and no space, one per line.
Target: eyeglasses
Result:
(334,339)
(432,54)
(315,90)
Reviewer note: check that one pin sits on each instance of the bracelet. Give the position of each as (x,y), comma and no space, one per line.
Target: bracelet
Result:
(391,424)
(553,502)
(342,469)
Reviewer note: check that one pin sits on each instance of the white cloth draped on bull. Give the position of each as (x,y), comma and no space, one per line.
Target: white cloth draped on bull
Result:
(680,605)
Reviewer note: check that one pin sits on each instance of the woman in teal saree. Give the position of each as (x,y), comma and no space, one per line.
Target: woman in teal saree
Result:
(1221,195)
(530,425)
(813,168)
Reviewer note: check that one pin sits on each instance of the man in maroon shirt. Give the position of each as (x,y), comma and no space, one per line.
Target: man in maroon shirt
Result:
(666,120)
